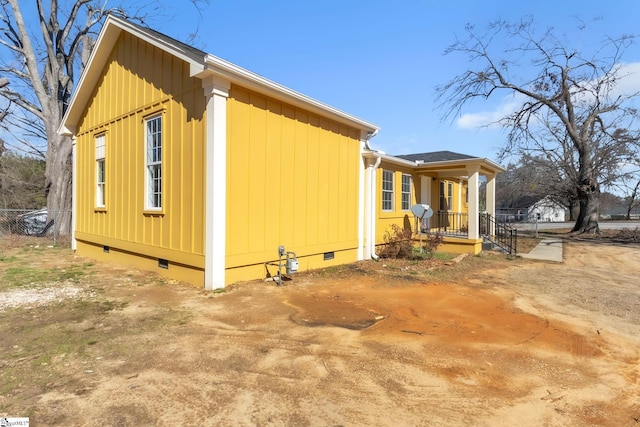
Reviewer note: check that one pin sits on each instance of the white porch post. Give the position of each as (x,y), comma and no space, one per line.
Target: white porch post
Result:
(216,92)
(491,199)
(459,210)
(474,201)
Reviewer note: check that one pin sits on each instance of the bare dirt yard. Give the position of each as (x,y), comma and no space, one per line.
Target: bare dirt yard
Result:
(487,341)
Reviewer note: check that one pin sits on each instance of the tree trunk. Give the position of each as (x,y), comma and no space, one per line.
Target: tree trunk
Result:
(58,176)
(588,198)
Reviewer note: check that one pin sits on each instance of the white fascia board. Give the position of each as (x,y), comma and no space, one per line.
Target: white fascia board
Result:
(398,161)
(84,88)
(246,78)
(482,162)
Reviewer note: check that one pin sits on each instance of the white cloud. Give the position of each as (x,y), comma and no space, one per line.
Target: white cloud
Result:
(628,84)
(481,119)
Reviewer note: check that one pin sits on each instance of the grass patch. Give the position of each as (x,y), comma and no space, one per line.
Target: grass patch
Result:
(443,256)
(527,243)
(27,276)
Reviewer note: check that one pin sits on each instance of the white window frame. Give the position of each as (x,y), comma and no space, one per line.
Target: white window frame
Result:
(406,191)
(101,148)
(449,195)
(153,159)
(387,190)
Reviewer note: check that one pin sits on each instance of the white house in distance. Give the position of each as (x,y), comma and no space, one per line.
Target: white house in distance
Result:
(546,210)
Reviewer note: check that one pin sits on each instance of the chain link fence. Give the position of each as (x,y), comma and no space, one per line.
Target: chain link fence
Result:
(30,222)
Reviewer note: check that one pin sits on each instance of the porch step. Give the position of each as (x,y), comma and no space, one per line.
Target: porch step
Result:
(487,245)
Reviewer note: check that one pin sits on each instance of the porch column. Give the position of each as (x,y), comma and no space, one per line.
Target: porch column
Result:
(491,199)
(216,92)
(474,201)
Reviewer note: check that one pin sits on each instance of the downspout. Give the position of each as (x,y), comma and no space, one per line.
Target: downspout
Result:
(372,208)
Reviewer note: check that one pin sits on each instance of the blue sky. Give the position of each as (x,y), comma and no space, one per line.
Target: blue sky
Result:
(381,61)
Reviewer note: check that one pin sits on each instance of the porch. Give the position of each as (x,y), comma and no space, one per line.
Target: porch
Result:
(454,228)
(449,183)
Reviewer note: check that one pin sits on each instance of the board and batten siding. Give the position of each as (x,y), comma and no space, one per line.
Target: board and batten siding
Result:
(402,218)
(140,81)
(292,180)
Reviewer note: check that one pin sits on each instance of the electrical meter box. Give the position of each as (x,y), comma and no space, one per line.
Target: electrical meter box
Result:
(292,265)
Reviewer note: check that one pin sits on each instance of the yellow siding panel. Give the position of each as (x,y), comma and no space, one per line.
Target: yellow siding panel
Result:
(287,183)
(273,170)
(291,167)
(238,202)
(140,80)
(257,171)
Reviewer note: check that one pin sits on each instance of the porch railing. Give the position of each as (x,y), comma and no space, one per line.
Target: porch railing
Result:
(499,233)
(447,223)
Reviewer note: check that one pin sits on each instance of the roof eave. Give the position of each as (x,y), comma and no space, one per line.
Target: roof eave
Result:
(245,78)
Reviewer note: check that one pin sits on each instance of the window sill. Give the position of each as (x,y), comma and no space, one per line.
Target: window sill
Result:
(148,212)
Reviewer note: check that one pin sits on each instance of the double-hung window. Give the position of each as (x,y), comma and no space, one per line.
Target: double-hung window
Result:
(387,190)
(153,131)
(406,192)
(100,170)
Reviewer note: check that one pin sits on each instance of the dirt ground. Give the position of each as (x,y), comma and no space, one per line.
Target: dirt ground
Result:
(487,341)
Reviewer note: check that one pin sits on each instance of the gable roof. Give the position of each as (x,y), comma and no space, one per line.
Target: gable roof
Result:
(443,163)
(435,156)
(202,65)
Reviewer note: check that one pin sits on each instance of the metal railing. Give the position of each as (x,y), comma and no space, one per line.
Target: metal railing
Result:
(447,223)
(499,233)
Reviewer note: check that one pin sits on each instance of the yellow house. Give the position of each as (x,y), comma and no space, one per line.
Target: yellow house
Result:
(205,172)
(448,183)
(192,166)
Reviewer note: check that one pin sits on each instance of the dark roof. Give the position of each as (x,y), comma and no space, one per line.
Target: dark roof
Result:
(170,40)
(436,156)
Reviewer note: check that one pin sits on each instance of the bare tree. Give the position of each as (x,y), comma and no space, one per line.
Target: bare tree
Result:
(568,113)
(630,187)
(38,75)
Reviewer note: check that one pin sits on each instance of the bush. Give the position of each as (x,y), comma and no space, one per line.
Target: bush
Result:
(431,243)
(397,243)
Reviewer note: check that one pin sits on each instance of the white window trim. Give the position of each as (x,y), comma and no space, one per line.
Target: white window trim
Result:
(386,191)
(408,193)
(100,141)
(149,194)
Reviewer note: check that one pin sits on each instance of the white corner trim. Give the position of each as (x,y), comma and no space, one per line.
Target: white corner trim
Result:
(216,92)
(74,193)
(361,203)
